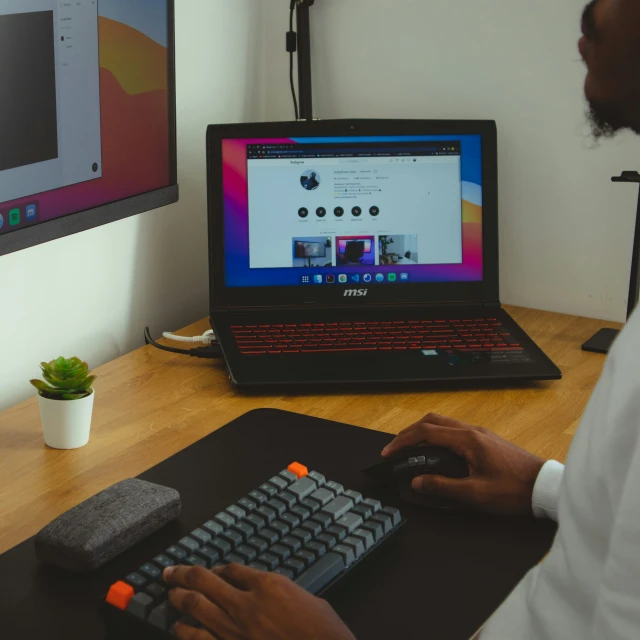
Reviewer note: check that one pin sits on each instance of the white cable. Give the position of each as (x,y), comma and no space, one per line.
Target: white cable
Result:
(207,337)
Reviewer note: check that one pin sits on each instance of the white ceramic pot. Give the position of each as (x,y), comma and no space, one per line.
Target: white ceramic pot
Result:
(66,423)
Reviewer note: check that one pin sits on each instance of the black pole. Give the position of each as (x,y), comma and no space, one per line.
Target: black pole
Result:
(304,59)
(601,342)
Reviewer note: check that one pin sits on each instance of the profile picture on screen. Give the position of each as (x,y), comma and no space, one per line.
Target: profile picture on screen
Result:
(310,180)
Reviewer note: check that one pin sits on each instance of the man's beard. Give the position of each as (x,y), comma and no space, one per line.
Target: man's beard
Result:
(603,120)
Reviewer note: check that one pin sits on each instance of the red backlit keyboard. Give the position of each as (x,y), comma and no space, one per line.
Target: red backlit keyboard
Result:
(474,335)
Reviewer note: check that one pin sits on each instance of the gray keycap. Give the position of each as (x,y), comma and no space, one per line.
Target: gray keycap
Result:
(347,554)
(201,536)
(288,498)
(150,571)
(354,495)
(351,521)
(318,478)
(324,519)
(164,561)
(189,544)
(210,555)
(138,582)
(322,496)
(292,543)
(384,520)
(339,532)
(213,527)
(288,476)
(335,486)
(256,521)
(258,544)
(269,535)
(393,513)
(356,544)
(303,487)
(307,556)
(269,489)
(291,519)
(303,535)
(366,537)
(269,561)
(374,504)
(258,566)
(225,519)
(295,565)
(246,552)
(375,527)
(237,512)
(258,497)
(363,510)
(247,505)
(318,548)
(156,591)
(315,528)
(232,537)
(232,558)
(328,540)
(337,507)
(312,505)
(281,552)
(267,513)
(279,482)
(244,529)
(196,561)
(321,573)
(287,573)
(278,506)
(301,512)
(163,616)
(177,553)
(221,546)
(281,528)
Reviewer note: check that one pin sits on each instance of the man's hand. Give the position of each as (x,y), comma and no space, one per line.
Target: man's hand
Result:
(502,475)
(239,603)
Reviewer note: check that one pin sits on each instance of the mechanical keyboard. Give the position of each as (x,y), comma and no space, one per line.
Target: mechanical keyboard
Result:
(296,524)
(470,335)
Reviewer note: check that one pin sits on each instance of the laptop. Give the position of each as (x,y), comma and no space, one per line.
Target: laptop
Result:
(360,252)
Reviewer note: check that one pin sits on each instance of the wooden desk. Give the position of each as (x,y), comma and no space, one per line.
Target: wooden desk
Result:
(150,404)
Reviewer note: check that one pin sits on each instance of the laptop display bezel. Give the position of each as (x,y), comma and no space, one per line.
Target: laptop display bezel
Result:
(223,296)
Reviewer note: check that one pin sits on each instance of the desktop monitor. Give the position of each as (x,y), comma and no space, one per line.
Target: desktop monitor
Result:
(310,250)
(87,115)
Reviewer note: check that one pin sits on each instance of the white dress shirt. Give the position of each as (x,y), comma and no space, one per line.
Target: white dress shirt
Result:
(588,587)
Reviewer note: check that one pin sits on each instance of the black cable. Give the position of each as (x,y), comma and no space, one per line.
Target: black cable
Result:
(212,351)
(292,47)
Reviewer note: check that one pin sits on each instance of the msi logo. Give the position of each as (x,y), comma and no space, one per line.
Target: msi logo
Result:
(355,292)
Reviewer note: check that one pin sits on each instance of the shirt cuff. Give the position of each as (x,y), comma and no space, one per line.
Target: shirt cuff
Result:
(546,490)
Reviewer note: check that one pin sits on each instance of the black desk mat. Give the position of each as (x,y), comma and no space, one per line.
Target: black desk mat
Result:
(440,577)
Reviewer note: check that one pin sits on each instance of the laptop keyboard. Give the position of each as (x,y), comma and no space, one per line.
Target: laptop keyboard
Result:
(471,335)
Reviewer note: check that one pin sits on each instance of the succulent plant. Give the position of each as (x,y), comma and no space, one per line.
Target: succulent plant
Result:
(66,379)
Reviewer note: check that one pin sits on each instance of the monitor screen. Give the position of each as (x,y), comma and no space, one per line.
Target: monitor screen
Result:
(85,115)
(393,209)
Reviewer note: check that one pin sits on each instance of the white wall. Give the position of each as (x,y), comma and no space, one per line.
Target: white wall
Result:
(565,229)
(92,294)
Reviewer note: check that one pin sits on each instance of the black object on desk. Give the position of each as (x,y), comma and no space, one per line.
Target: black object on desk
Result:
(443,574)
(601,342)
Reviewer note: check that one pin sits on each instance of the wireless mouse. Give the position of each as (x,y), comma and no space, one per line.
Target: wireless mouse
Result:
(402,468)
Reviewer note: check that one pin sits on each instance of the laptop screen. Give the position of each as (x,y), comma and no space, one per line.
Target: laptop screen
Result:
(381,210)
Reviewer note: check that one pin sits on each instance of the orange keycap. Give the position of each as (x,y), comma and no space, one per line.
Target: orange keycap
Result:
(120,594)
(298,469)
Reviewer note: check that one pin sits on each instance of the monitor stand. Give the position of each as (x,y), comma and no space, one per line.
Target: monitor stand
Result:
(601,342)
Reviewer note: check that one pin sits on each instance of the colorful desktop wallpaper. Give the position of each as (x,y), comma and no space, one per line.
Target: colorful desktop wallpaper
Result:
(134,101)
(236,215)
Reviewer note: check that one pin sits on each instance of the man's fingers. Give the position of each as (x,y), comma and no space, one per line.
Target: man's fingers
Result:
(205,582)
(461,490)
(239,576)
(204,611)
(187,632)
(435,435)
